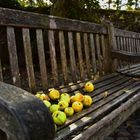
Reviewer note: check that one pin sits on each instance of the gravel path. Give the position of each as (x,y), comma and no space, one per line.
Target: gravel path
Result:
(129,130)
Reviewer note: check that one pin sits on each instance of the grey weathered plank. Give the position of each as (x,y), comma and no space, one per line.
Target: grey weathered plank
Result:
(123,55)
(103,45)
(53,56)
(119,32)
(98,49)
(72,56)
(92,45)
(34,20)
(13,56)
(1,75)
(94,111)
(103,128)
(42,60)
(63,55)
(28,58)
(87,56)
(80,55)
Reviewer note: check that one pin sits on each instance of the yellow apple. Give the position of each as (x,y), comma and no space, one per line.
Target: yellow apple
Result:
(77,97)
(65,97)
(69,111)
(88,87)
(54,94)
(87,101)
(63,104)
(77,106)
(54,107)
(59,117)
(47,103)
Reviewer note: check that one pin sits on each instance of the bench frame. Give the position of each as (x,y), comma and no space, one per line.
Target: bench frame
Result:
(107,47)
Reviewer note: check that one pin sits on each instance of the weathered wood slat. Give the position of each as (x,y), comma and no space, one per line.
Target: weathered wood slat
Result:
(42,60)
(28,58)
(97,95)
(103,46)
(53,56)
(13,56)
(103,128)
(78,86)
(102,106)
(99,56)
(126,55)
(63,55)
(129,68)
(86,48)
(72,56)
(92,46)
(119,32)
(27,19)
(1,75)
(80,55)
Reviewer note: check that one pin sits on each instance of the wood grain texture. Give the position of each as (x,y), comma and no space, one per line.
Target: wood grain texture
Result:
(72,56)
(27,19)
(80,55)
(53,56)
(21,113)
(63,55)
(98,51)
(103,128)
(42,60)
(119,32)
(11,40)
(87,55)
(92,46)
(28,58)
(128,56)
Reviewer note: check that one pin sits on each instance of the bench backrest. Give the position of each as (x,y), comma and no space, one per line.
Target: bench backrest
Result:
(45,51)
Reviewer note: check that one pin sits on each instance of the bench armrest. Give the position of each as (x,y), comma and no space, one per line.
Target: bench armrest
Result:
(124,55)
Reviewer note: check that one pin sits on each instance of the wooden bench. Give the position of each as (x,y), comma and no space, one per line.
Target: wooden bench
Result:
(44,52)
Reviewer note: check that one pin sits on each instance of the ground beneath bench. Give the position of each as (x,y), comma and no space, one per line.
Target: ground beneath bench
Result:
(129,130)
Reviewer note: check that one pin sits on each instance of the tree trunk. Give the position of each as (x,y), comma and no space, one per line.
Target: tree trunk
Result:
(60,8)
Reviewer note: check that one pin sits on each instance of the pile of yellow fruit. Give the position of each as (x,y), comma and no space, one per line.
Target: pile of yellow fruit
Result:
(62,105)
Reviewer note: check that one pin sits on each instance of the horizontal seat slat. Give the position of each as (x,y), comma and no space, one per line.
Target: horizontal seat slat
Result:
(124,55)
(103,128)
(107,104)
(96,98)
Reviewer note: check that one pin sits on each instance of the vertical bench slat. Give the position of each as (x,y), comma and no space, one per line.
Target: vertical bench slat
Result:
(98,52)
(72,56)
(129,44)
(86,47)
(13,56)
(80,56)
(28,58)
(41,54)
(92,45)
(135,47)
(103,45)
(1,76)
(53,56)
(138,45)
(63,55)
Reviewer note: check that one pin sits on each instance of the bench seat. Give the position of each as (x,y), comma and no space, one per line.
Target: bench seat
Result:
(131,70)
(112,93)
